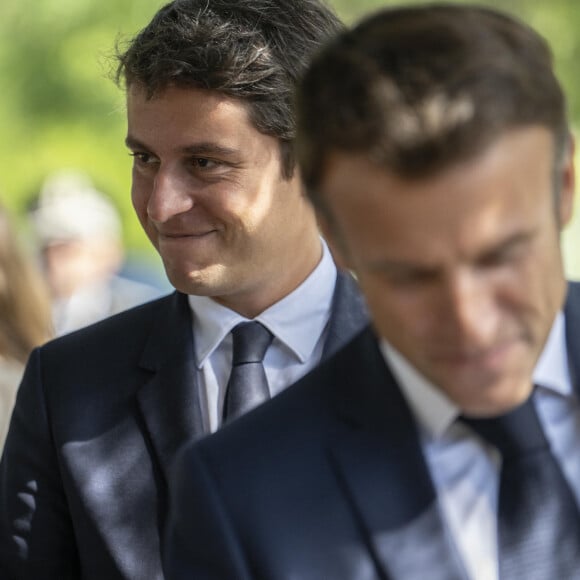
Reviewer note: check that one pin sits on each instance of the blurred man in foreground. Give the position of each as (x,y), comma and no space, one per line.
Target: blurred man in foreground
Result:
(442,442)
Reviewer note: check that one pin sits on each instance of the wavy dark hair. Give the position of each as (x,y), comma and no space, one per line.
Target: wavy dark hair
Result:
(252,50)
(418,89)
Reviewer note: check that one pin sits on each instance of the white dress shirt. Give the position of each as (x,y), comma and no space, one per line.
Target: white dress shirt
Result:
(465,470)
(298,323)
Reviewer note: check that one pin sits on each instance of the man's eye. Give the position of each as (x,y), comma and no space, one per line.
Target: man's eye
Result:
(141,157)
(205,163)
(504,256)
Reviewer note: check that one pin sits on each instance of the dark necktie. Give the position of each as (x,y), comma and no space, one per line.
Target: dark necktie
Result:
(247,386)
(538,517)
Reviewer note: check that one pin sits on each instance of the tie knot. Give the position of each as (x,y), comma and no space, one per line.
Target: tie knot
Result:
(251,340)
(515,433)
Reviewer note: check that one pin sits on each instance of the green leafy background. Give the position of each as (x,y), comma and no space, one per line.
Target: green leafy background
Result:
(60,109)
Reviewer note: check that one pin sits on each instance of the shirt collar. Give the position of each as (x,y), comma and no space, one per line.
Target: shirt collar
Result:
(297,320)
(553,371)
(435,412)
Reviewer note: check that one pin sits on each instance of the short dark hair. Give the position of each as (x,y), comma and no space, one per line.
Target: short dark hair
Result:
(252,50)
(420,88)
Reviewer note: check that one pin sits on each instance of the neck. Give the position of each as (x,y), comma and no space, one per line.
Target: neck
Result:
(253,302)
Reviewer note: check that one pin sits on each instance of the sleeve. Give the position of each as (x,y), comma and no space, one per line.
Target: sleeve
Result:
(36,536)
(200,541)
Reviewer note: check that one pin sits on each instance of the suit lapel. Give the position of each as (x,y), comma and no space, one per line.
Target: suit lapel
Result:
(380,466)
(169,400)
(348,315)
(572,314)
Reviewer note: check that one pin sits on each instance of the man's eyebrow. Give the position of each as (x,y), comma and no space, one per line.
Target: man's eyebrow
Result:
(133,143)
(509,244)
(519,238)
(398,266)
(209,148)
(204,148)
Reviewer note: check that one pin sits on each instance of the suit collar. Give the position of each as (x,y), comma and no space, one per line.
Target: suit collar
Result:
(394,497)
(348,315)
(171,331)
(572,315)
(169,399)
(369,399)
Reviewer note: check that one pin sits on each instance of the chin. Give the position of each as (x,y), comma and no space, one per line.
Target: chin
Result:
(205,282)
(196,288)
(187,283)
(494,400)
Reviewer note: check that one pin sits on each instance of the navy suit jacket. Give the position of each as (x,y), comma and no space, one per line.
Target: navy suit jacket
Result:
(99,417)
(326,481)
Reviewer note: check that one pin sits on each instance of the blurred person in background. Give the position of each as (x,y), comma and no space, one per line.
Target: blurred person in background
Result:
(25,320)
(79,233)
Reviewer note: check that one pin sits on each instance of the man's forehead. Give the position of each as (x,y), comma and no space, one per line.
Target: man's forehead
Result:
(340,163)
(191,114)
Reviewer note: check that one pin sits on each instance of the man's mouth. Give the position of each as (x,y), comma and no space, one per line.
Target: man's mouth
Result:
(483,357)
(186,234)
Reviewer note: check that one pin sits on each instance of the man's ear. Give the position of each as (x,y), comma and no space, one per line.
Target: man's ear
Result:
(332,237)
(567,185)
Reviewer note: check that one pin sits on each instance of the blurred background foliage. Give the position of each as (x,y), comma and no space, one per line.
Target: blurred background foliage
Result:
(60,109)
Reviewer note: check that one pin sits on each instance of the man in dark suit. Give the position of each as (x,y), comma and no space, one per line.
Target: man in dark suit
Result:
(101,412)
(442,442)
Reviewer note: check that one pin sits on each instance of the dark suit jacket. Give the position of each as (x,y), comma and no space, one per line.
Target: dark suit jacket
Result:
(98,419)
(326,481)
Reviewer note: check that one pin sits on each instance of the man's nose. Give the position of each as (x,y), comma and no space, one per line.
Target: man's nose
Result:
(472,307)
(170,196)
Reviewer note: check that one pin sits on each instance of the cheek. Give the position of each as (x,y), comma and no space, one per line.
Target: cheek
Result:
(139,200)
(537,284)
(395,317)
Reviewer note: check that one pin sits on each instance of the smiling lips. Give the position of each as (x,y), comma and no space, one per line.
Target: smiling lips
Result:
(180,235)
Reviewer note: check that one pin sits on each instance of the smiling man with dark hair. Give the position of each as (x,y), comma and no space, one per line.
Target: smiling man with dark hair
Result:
(259,302)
